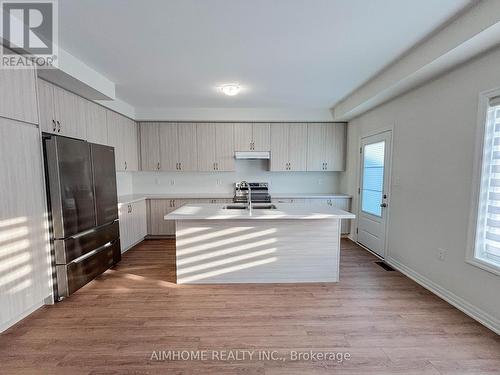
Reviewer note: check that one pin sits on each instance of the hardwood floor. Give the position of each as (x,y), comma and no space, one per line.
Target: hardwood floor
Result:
(386,323)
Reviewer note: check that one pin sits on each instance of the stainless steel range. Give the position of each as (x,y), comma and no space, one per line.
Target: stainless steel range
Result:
(259,192)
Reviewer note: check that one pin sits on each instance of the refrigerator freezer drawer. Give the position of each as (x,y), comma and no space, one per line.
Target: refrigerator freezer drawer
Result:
(80,271)
(74,247)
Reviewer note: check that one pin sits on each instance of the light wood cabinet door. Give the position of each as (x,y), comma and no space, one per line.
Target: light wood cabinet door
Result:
(243,136)
(47,110)
(206,140)
(261,137)
(297,147)
(97,128)
(335,148)
(116,138)
(140,212)
(316,148)
(124,224)
(158,225)
(224,136)
(188,158)
(67,113)
(23,234)
(150,146)
(18,95)
(279,147)
(131,151)
(169,147)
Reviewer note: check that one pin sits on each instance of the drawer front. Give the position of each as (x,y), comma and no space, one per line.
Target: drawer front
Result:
(80,271)
(73,247)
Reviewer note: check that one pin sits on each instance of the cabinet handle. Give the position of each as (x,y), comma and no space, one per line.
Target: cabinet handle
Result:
(326,166)
(125,165)
(54,126)
(58,126)
(180,166)
(217,165)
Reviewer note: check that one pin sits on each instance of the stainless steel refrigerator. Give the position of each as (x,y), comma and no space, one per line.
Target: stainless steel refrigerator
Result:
(83,211)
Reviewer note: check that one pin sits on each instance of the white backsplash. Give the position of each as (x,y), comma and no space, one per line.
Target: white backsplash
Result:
(223,182)
(124,183)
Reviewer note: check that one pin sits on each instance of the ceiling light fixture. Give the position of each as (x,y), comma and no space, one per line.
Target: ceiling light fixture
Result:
(230,89)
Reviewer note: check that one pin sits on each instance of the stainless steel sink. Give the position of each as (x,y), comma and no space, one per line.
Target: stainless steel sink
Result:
(255,206)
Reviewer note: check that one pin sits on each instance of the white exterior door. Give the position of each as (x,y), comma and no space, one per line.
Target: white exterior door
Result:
(373,191)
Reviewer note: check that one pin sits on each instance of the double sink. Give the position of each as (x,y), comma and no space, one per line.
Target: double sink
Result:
(255,206)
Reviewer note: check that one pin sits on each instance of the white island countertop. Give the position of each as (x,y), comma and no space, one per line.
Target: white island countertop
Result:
(282,212)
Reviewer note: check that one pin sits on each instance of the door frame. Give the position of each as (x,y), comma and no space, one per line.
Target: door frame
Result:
(390,131)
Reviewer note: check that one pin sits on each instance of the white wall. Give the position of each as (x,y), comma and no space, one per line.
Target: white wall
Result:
(222,182)
(433,142)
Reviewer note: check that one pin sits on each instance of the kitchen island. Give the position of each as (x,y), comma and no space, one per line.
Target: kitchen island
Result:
(283,243)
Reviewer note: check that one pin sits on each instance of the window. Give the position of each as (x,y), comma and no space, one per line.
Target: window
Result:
(373,178)
(487,237)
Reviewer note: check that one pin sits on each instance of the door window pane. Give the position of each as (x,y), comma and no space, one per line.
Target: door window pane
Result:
(373,178)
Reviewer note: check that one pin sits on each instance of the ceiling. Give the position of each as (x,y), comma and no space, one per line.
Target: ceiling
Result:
(284,53)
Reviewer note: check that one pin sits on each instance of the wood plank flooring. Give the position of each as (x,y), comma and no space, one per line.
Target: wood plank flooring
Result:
(386,323)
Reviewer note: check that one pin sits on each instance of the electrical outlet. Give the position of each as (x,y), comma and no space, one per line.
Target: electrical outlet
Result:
(441,254)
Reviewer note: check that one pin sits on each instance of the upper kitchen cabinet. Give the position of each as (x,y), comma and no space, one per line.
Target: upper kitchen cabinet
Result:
(326,147)
(188,158)
(288,147)
(252,137)
(168,146)
(61,112)
(18,95)
(122,135)
(150,146)
(215,147)
(97,127)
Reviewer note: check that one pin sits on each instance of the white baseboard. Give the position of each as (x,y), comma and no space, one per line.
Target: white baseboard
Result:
(475,313)
(5,325)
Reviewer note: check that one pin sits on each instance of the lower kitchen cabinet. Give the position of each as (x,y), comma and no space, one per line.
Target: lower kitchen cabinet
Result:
(133,221)
(342,203)
(158,208)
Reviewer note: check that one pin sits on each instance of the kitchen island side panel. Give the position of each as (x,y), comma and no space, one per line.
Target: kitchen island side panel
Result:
(257,251)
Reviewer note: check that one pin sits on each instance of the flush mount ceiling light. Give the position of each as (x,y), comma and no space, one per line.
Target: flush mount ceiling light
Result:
(230,89)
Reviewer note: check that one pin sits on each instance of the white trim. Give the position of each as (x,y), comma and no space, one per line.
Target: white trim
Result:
(470,257)
(474,312)
(6,325)
(388,188)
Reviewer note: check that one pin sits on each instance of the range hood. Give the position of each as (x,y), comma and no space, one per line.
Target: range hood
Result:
(252,155)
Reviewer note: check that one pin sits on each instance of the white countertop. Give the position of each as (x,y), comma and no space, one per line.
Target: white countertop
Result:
(137,197)
(207,211)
